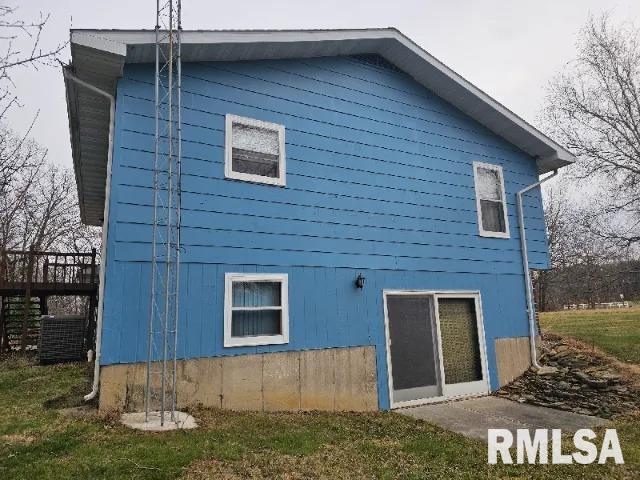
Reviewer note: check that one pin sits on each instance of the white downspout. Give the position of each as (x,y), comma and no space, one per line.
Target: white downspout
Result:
(105,227)
(525,267)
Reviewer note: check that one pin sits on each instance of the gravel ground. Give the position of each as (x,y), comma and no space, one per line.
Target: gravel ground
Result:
(577,378)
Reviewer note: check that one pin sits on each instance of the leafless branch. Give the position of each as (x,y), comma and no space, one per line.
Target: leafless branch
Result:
(38,200)
(593,107)
(16,31)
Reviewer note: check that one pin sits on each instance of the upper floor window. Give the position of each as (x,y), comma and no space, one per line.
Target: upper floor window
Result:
(256,309)
(254,150)
(490,200)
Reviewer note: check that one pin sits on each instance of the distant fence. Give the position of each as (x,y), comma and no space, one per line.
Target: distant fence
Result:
(586,306)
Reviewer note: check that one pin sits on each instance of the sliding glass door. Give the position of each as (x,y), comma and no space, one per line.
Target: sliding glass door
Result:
(412,336)
(435,346)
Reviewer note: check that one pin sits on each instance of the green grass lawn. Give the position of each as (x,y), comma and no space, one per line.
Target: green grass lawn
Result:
(617,332)
(38,442)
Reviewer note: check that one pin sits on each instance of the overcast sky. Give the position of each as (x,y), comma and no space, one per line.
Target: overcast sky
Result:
(508,48)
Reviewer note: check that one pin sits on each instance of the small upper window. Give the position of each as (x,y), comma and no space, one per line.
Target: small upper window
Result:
(254,150)
(490,200)
(256,309)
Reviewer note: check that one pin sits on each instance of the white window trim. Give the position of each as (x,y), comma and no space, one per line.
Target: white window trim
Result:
(229,279)
(482,231)
(228,147)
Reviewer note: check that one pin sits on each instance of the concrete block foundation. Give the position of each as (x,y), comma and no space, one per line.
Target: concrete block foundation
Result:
(513,358)
(335,379)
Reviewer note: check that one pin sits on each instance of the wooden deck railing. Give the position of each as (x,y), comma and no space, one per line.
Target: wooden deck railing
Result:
(48,270)
(27,278)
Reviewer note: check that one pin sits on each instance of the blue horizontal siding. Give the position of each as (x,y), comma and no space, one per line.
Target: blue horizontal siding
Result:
(236,231)
(196,193)
(324,165)
(335,129)
(325,193)
(379,181)
(325,310)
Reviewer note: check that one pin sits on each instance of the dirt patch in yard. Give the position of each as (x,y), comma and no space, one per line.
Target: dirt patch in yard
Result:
(578,378)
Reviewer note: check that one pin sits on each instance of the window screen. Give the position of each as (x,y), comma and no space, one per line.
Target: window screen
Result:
(459,336)
(491,202)
(412,347)
(254,150)
(256,309)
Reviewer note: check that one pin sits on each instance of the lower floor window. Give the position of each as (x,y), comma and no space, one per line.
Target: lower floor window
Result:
(256,309)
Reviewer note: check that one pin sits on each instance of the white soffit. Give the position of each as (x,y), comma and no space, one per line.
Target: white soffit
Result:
(98,56)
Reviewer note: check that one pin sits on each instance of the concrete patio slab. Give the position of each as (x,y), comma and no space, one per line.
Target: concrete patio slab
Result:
(474,416)
(137,421)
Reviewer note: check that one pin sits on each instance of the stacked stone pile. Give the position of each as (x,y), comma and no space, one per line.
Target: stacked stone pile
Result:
(577,380)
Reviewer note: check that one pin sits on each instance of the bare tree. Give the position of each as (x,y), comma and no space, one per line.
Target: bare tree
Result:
(556,208)
(21,161)
(585,266)
(38,201)
(18,152)
(15,31)
(558,219)
(593,107)
(82,238)
(50,209)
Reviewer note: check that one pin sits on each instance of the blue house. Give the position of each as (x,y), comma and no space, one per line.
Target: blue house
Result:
(349,225)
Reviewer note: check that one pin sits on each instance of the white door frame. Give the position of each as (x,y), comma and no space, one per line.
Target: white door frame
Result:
(481,387)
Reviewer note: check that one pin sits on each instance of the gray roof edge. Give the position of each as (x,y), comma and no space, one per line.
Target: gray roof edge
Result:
(98,41)
(116,42)
(562,153)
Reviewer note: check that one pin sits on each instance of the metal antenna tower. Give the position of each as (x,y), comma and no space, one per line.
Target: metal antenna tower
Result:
(160,392)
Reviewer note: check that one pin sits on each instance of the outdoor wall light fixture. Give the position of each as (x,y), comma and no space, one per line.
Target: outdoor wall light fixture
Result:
(360,281)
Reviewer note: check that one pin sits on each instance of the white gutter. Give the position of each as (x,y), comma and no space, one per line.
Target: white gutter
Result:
(105,227)
(527,273)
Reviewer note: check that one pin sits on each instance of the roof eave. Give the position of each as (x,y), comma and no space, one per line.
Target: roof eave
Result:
(99,63)
(74,139)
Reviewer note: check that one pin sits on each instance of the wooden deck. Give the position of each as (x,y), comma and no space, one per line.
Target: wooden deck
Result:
(47,288)
(27,278)
(48,273)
